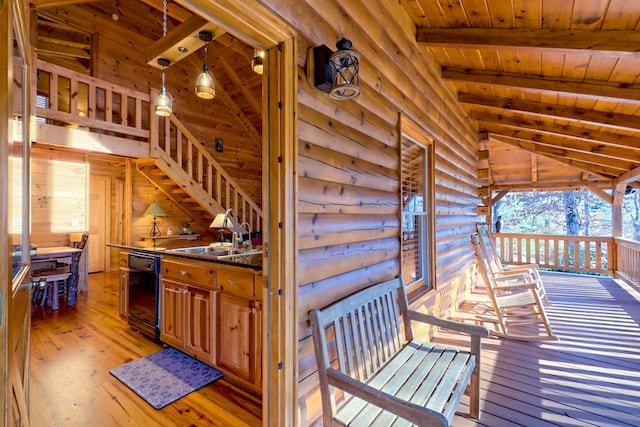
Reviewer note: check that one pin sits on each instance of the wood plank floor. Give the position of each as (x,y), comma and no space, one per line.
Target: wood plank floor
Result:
(590,377)
(72,350)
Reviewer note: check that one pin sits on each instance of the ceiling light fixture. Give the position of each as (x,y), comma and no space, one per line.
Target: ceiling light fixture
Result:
(205,84)
(163,101)
(257,62)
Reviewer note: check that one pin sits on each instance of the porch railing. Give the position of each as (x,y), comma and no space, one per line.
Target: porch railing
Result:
(628,260)
(171,138)
(588,254)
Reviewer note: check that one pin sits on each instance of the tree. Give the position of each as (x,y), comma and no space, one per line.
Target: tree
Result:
(572,217)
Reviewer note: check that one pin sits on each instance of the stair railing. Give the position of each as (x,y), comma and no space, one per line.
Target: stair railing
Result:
(170,138)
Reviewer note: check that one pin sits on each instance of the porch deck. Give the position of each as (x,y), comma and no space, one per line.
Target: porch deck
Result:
(590,377)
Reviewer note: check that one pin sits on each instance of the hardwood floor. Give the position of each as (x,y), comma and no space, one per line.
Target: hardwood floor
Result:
(72,350)
(590,377)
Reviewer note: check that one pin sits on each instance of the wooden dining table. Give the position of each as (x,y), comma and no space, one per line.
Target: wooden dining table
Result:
(66,255)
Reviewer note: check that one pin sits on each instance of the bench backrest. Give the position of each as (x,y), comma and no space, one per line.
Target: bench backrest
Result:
(360,333)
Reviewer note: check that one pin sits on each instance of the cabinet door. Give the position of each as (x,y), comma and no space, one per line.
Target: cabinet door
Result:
(172,313)
(124,292)
(199,333)
(235,343)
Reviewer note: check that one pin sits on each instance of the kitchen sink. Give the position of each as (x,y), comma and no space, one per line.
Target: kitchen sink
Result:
(217,251)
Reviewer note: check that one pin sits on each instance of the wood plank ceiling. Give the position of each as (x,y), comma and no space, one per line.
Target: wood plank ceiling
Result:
(553,84)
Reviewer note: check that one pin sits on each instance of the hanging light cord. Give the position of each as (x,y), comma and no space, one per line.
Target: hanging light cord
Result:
(164,33)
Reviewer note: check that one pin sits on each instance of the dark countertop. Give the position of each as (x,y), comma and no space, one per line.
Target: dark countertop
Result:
(254,262)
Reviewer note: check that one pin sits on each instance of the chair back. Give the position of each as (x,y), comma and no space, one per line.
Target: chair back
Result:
(78,240)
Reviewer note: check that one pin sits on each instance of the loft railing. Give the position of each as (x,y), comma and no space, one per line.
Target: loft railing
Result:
(628,260)
(589,254)
(68,98)
(174,140)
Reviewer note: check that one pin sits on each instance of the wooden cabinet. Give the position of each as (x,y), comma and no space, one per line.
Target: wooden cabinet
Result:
(187,308)
(213,312)
(239,338)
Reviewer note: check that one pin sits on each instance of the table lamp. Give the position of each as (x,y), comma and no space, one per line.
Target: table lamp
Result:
(155,211)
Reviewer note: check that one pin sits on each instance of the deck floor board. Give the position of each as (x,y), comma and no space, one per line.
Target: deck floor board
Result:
(590,377)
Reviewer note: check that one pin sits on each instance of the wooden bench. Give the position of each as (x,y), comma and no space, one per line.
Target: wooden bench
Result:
(373,371)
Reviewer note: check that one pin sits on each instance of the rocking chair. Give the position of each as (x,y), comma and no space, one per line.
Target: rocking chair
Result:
(516,301)
(497,267)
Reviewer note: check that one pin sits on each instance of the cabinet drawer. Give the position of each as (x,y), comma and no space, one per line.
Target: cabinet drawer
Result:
(202,275)
(237,283)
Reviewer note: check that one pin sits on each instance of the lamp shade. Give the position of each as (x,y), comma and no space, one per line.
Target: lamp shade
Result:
(164,104)
(205,85)
(222,221)
(154,210)
(257,62)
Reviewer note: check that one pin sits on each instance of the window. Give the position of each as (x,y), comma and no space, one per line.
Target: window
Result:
(416,214)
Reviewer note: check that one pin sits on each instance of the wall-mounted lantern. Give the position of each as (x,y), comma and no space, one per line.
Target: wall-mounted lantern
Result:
(336,73)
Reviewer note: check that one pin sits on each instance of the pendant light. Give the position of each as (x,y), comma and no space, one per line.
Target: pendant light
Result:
(205,85)
(163,101)
(257,62)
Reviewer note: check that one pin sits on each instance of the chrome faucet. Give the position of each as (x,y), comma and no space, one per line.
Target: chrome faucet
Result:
(250,244)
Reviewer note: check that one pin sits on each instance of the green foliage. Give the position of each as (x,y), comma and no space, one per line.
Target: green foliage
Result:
(546,212)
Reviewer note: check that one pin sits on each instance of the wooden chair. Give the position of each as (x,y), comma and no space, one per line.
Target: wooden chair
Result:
(373,371)
(516,301)
(49,285)
(496,265)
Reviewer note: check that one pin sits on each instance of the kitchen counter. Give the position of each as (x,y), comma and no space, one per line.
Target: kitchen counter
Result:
(252,261)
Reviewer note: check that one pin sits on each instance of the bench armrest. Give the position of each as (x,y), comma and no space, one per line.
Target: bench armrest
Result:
(473,330)
(407,410)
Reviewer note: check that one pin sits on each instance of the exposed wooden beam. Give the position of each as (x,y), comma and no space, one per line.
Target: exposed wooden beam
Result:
(632,175)
(184,35)
(591,164)
(597,136)
(55,49)
(39,4)
(61,42)
(616,43)
(231,73)
(534,168)
(499,196)
(602,118)
(623,156)
(602,194)
(173,10)
(549,186)
(593,89)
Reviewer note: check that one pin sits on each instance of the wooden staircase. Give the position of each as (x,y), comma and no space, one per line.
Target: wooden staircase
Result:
(189,175)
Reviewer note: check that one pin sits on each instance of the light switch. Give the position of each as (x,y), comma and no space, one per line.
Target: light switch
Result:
(74,222)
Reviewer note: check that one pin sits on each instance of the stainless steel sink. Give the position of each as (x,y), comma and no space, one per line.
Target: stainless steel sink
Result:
(217,251)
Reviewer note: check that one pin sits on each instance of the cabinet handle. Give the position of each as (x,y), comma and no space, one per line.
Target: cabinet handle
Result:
(232,282)
(183,272)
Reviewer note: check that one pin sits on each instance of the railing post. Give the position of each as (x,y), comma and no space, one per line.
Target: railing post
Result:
(153,126)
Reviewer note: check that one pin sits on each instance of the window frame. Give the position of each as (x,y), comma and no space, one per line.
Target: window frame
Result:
(412,133)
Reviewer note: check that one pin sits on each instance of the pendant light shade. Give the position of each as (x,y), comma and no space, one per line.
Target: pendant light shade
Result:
(163,101)
(205,84)
(257,62)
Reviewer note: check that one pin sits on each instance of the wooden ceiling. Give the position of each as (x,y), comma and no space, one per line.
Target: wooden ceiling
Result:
(553,84)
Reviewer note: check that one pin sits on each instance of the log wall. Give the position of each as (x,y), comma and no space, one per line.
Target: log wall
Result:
(348,168)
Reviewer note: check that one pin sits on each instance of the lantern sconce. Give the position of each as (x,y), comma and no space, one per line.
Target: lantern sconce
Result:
(335,73)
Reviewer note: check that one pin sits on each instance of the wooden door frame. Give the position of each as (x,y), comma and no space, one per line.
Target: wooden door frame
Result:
(258,26)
